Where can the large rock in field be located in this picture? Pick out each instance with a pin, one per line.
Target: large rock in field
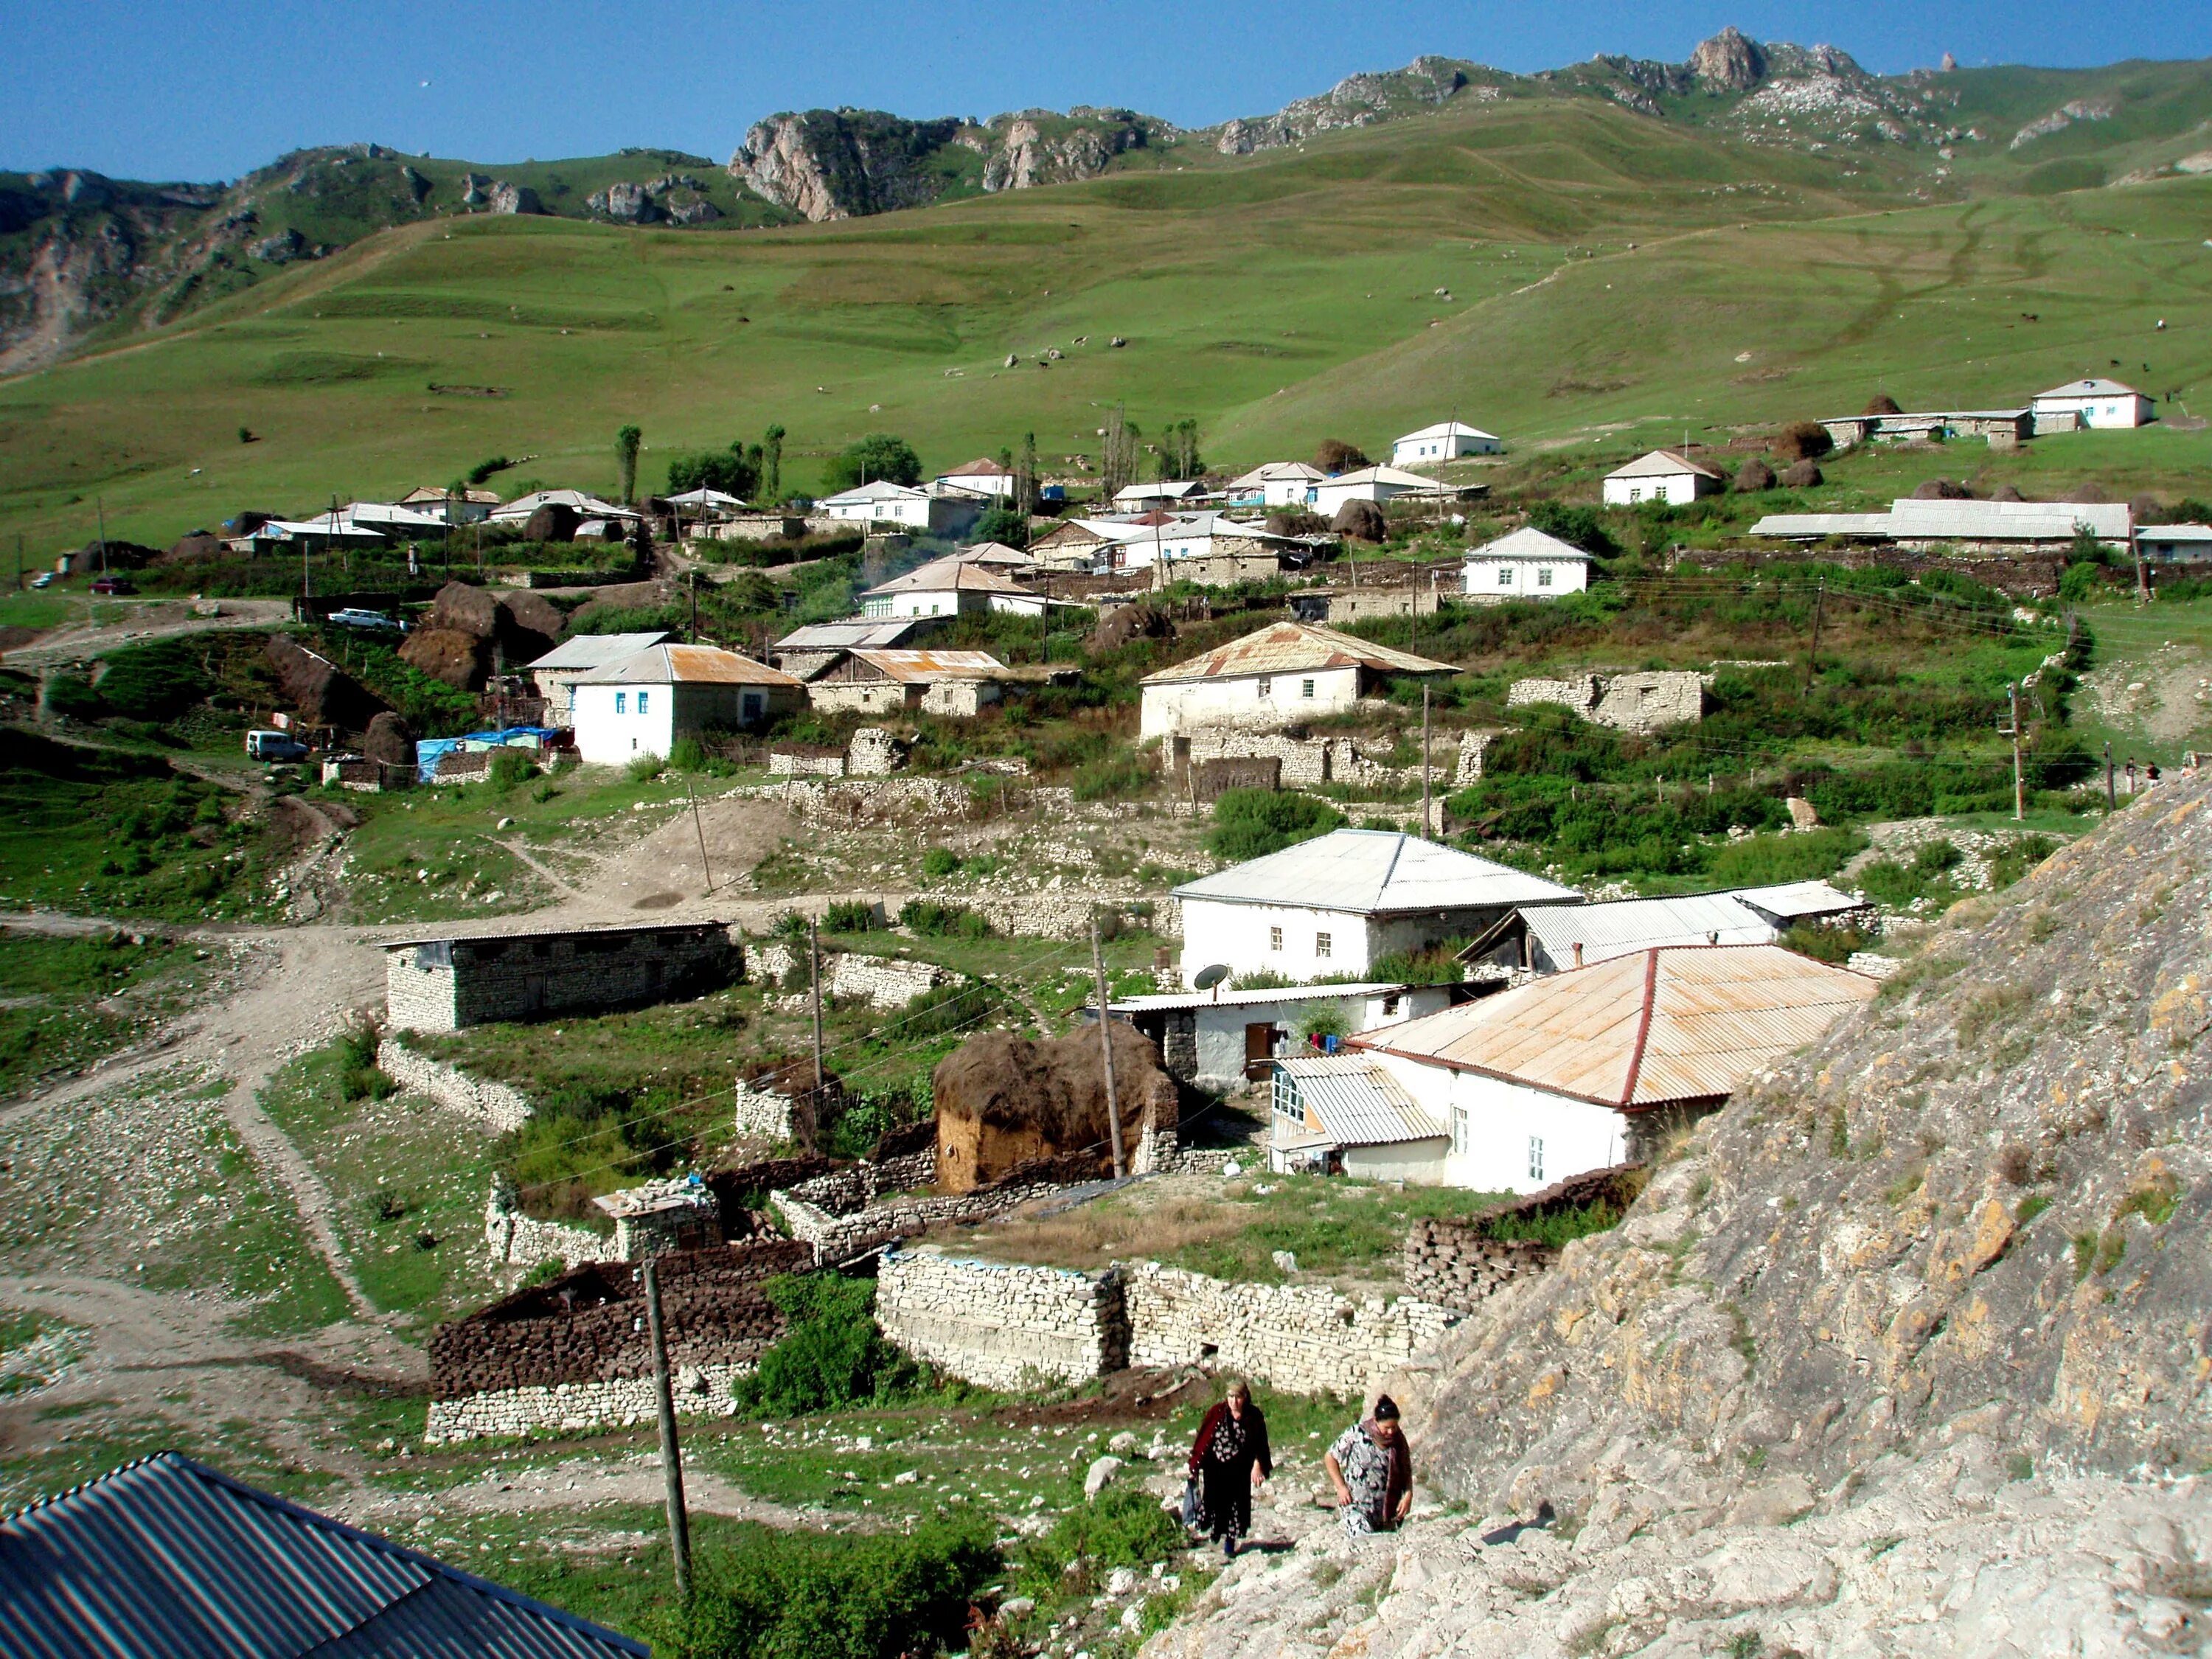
(1003, 1101)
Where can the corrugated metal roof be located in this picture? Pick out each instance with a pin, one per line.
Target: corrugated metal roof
(1993, 521)
(167, 1557)
(597, 650)
(2094, 387)
(1660, 463)
(1449, 430)
(951, 575)
(995, 553)
(1355, 1103)
(878, 633)
(879, 489)
(1614, 929)
(982, 467)
(687, 665)
(1277, 471)
(920, 667)
(1529, 543)
(1681, 1022)
(1375, 872)
(1243, 999)
(1396, 477)
(1792, 899)
(1811, 526)
(1290, 648)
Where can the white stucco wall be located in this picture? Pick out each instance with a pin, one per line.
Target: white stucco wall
(1240, 936)
(2130, 410)
(1220, 1026)
(607, 739)
(1675, 488)
(1416, 1163)
(1186, 706)
(1529, 579)
(1495, 1121)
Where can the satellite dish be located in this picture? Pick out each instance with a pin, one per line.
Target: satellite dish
(1209, 977)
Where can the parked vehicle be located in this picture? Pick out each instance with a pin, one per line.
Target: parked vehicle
(112, 585)
(44, 579)
(273, 747)
(374, 619)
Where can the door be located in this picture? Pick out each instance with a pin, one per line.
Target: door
(1258, 1050)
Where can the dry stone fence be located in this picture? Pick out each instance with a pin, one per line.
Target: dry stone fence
(1456, 1264)
(1003, 1325)
(497, 1106)
(1628, 702)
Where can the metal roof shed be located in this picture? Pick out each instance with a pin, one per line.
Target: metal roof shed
(164, 1558)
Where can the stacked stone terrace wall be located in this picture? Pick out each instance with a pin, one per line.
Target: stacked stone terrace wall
(515, 1240)
(495, 1105)
(840, 1216)
(1303, 760)
(1628, 702)
(1307, 1339)
(806, 762)
(447, 985)
(1000, 1325)
(882, 981)
(1455, 1264)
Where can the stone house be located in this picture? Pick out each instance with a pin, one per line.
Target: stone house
(807, 650)
(1283, 675)
(644, 703)
(936, 511)
(1661, 476)
(556, 673)
(957, 683)
(473, 979)
(1340, 902)
(951, 588)
(1644, 702)
(1592, 1067)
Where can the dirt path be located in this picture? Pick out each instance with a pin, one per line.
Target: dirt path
(577, 1484)
(160, 620)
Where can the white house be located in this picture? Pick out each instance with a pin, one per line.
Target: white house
(1136, 497)
(1526, 564)
(1446, 442)
(2093, 402)
(1375, 483)
(1344, 1115)
(2175, 543)
(981, 476)
(1223, 1039)
(583, 504)
(1341, 903)
(951, 588)
(1592, 1067)
(466, 508)
(1661, 476)
(1283, 675)
(934, 511)
(644, 703)
(1278, 483)
(1169, 539)
(556, 673)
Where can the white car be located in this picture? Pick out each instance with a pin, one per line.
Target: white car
(375, 619)
(44, 579)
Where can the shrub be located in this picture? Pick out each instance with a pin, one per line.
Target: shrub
(1123, 1527)
(1250, 823)
(942, 920)
(1439, 964)
(644, 769)
(1110, 779)
(831, 1355)
(939, 862)
(688, 755)
(798, 1595)
(1580, 526)
(849, 916)
(510, 766)
(1007, 526)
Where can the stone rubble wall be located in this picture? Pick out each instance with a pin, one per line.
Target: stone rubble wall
(495, 1105)
(875, 753)
(618, 1403)
(837, 1237)
(786, 763)
(1643, 701)
(1304, 1338)
(853, 802)
(1068, 914)
(1304, 760)
(882, 981)
(1455, 1266)
(1001, 1325)
(767, 1114)
(515, 1240)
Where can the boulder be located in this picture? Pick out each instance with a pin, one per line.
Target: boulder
(1800, 474)
(323, 693)
(447, 654)
(1362, 520)
(515, 198)
(390, 740)
(553, 522)
(1753, 476)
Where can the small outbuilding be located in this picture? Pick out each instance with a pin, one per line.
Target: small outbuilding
(641, 704)
(872, 682)
(2094, 401)
(556, 673)
(474, 979)
(951, 588)
(1661, 476)
(936, 511)
(2175, 543)
(1224, 1039)
(1345, 1114)
(1528, 564)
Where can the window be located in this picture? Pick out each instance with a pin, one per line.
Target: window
(1505, 575)
(1275, 939)
(1635, 493)
(1543, 575)
(1305, 688)
(752, 706)
(1267, 685)
(641, 702)
(1389, 1007)
(1535, 1157)
(622, 703)
(1321, 942)
(1462, 1131)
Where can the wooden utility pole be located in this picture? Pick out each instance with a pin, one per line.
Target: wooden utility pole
(705, 869)
(2112, 793)
(2143, 573)
(2019, 805)
(100, 507)
(671, 1455)
(1426, 819)
(1812, 656)
(1106, 1049)
(814, 982)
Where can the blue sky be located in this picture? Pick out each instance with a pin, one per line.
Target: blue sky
(207, 90)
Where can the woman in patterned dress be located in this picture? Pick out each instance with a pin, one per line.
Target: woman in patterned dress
(1230, 1459)
(1371, 1467)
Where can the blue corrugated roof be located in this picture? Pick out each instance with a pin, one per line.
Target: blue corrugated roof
(166, 1558)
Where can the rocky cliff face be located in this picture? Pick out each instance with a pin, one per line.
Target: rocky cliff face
(1360, 100)
(1906, 1350)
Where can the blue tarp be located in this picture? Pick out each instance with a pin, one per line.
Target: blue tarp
(429, 751)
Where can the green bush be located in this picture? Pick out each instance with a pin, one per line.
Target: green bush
(1438, 964)
(646, 767)
(798, 1596)
(831, 1355)
(687, 755)
(1111, 779)
(1123, 1527)
(155, 681)
(511, 767)
(942, 920)
(849, 916)
(71, 696)
(939, 862)
(1250, 823)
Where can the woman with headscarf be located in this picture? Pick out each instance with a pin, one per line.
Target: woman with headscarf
(1371, 1467)
(1229, 1460)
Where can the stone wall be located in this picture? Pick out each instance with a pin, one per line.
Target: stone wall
(1307, 1339)
(1454, 1265)
(1001, 1325)
(444, 985)
(874, 752)
(1304, 760)
(858, 696)
(516, 1240)
(772, 1115)
(959, 698)
(882, 981)
(1068, 914)
(794, 762)
(821, 1212)
(1628, 702)
(495, 1105)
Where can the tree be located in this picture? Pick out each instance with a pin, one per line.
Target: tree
(1336, 456)
(1578, 526)
(1179, 456)
(1008, 525)
(771, 477)
(880, 455)
(1025, 477)
(1117, 459)
(725, 470)
(628, 441)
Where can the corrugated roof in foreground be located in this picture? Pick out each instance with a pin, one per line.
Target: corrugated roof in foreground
(1676, 1024)
(1375, 872)
(1799, 898)
(167, 1557)
(1356, 1104)
(1288, 647)
(1255, 998)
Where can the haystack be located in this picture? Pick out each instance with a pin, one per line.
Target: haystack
(447, 654)
(2006, 492)
(1753, 476)
(553, 522)
(1800, 474)
(465, 608)
(389, 739)
(324, 694)
(1124, 622)
(194, 549)
(1003, 1101)
(1362, 519)
(1941, 490)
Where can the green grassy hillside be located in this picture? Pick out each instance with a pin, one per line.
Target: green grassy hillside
(1287, 297)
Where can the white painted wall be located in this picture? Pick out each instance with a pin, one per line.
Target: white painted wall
(1267, 703)
(1406, 450)
(1416, 1163)
(1675, 488)
(1494, 580)
(1244, 937)
(2131, 409)
(1494, 1123)
(1330, 494)
(611, 730)
(1220, 1025)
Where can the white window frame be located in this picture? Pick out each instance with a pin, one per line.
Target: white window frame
(1543, 575)
(1535, 1157)
(1462, 1131)
(1305, 688)
(1324, 945)
(1275, 939)
(1505, 575)
(1267, 685)
(641, 703)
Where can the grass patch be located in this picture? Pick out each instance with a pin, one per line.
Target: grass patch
(70, 1001)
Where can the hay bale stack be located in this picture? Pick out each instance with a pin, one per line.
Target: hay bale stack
(1882, 403)
(1753, 476)
(465, 608)
(1124, 622)
(447, 654)
(389, 739)
(2007, 493)
(196, 549)
(532, 613)
(1800, 474)
(323, 693)
(553, 522)
(1003, 1101)
(1803, 440)
(1363, 520)
(1941, 490)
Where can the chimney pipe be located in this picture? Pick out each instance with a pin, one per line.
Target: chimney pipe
(1713, 938)
(1578, 953)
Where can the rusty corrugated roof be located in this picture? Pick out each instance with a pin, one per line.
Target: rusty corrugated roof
(948, 575)
(1678, 1022)
(920, 667)
(690, 665)
(1290, 648)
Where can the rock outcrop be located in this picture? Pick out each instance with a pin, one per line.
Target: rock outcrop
(1359, 101)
